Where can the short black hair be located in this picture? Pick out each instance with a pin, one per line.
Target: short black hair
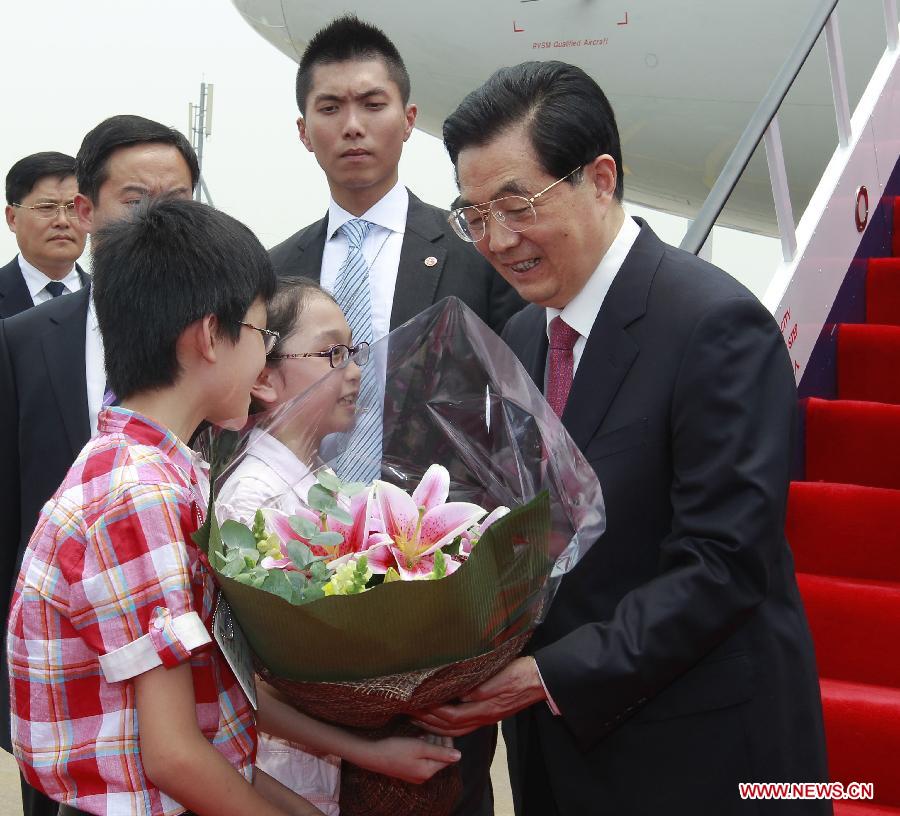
(123, 131)
(569, 119)
(349, 38)
(171, 263)
(285, 308)
(27, 172)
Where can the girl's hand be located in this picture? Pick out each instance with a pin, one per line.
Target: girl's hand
(411, 759)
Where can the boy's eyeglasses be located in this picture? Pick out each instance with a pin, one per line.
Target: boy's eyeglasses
(338, 356)
(270, 338)
(48, 210)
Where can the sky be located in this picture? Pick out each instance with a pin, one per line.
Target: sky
(69, 65)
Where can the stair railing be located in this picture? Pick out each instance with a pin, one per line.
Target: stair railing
(763, 126)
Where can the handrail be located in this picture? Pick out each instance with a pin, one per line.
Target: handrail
(702, 225)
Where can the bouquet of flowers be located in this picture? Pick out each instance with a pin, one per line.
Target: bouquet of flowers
(365, 600)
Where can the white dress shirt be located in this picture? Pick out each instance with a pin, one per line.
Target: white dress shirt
(582, 310)
(37, 281)
(94, 366)
(381, 250)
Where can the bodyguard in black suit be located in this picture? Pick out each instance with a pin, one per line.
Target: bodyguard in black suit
(353, 93)
(676, 660)
(51, 366)
(40, 211)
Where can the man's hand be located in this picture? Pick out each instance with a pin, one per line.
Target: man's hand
(514, 688)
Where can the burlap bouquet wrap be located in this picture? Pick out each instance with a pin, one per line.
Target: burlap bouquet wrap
(454, 395)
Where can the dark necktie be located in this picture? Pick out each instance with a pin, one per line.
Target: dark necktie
(56, 288)
(561, 364)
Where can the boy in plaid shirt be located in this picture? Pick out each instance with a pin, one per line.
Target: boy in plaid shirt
(121, 704)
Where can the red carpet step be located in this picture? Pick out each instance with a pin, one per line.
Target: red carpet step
(853, 443)
(863, 809)
(868, 363)
(863, 726)
(845, 530)
(883, 290)
(856, 629)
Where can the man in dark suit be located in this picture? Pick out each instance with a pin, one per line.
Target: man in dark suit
(675, 660)
(52, 373)
(40, 210)
(353, 93)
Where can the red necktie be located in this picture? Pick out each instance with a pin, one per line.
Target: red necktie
(561, 364)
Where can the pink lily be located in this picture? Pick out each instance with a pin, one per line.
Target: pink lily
(414, 527)
(356, 535)
(279, 563)
(470, 537)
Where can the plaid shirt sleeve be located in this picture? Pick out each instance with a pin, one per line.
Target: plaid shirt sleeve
(130, 585)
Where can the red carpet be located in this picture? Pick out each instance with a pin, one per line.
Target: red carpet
(844, 528)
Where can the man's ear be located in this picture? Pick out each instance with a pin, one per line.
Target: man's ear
(11, 217)
(411, 112)
(205, 337)
(265, 389)
(84, 209)
(304, 136)
(601, 172)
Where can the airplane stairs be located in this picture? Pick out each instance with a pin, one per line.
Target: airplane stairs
(844, 528)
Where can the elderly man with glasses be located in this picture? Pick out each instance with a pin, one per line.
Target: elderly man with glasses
(40, 210)
(676, 660)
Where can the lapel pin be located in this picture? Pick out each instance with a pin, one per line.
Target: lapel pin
(431, 261)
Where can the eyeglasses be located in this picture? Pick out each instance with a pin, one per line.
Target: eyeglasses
(48, 210)
(338, 356)
(270, 338)
(515, 213)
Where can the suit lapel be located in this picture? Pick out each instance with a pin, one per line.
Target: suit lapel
(422, 258)
(311, 246)
(64, 353)
(83, 276)
(610, 350)
(14, 294)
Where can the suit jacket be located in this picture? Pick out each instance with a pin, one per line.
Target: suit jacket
(44, 423)
(677, 651)
(459, 270)
(14, 294)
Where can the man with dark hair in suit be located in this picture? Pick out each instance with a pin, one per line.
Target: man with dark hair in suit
(384, 254)
(40, 210)
(676, 660)
(353, 94)
(51, 357)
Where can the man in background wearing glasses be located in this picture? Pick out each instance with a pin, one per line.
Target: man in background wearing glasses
(52, 372)
(675, 660)
(40, 210)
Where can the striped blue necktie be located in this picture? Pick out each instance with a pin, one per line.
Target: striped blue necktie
(362, 459)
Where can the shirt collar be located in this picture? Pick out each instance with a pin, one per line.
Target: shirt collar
(581, 312)
(144, 431)
(36, 280)
(277, 456)
(388, 212)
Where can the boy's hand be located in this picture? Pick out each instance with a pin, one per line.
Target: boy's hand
(411, 759)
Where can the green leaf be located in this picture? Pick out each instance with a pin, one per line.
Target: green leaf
(312, 593)
(217, 560)
(329, 480)
(327, 540)
(237, 535)
(250, 555)
(340, 514)
(234, 564)
(321, 499)
(319, 572)
(279, 584)
(299, 553)
(391, 575)
(440, 565)
(303, 527)
(350, 489)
